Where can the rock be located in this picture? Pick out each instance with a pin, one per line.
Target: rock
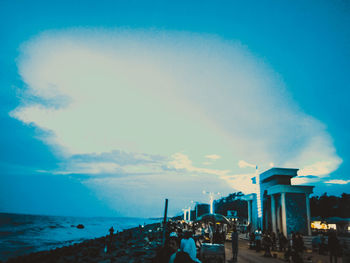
(80, 226)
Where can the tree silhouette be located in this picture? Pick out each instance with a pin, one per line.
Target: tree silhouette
(330, 206)
(232, 202)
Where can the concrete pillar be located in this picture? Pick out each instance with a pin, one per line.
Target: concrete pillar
(273, 213)
(284, 214)
(308, 215)
(249, 212)
(279, 225)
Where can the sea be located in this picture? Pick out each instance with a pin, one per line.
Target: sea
(23, 234)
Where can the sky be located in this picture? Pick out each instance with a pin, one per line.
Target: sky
(109, 107)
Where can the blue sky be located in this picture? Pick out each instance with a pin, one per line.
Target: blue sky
(109, 107)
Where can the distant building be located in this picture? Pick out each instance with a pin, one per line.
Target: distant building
(202, 209)
(279, 205)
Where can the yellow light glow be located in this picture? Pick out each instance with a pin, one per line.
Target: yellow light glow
(320, 225)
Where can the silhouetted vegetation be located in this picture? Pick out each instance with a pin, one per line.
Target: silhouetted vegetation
(323, 206)
(232, 202)
(329, 206)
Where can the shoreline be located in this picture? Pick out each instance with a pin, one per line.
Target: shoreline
(137, 244)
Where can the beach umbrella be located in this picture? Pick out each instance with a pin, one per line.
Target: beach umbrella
(215, 218)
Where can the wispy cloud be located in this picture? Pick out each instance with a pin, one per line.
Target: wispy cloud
(213, 156)
(337, 181)
(181, 161)
(244, 164)
(111, 163)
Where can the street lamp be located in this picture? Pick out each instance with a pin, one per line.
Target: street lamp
(187, 210)
(211, 202)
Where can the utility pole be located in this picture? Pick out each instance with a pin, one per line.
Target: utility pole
(165, 219)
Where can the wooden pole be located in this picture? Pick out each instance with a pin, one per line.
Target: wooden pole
(165, 219)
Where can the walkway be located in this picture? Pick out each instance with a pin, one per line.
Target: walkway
(246, 255)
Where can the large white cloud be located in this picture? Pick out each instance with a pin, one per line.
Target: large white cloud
(181, 96)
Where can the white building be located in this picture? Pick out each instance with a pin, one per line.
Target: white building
(283, 206)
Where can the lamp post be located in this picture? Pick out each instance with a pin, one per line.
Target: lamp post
(189, 213)
(211, 200)
(187, 210)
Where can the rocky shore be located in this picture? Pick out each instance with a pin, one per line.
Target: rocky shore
(138, 244)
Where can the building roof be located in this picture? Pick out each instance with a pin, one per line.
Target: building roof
(276, 189)
(278, 172)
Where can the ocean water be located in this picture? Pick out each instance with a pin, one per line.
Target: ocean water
(22, 234)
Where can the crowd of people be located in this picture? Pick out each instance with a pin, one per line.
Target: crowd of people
(269, 241)
(184, 240)
(292, 247)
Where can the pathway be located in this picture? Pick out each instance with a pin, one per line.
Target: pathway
(246, 255)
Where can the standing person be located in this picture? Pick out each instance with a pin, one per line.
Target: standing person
(189, 246)
(234, 244)
(211, 232)
(333, 246)
(173, 247)
(258, 240)
(282, 242)
(217, 236)
(203, 230)
(249, 227)
(266, 240)
(298, 248)
(251, 240)
(110, 240)
(169, 250)
(273, 239)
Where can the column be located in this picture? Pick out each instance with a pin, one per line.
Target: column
(284, 215)
(273, 213)
(308, 217)
(249, 212)
(279, 226)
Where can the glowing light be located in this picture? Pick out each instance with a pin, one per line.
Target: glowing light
(321, 225)
(211, 201)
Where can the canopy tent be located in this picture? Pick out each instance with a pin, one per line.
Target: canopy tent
(213, 218)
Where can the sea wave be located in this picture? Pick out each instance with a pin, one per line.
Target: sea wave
(23, 234)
